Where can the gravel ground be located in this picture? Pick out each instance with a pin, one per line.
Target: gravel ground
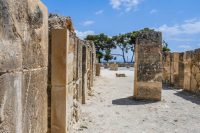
(111, 109)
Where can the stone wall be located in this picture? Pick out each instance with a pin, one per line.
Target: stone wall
(72, 74)
(184, 70)
(148, 66)
(23, 66)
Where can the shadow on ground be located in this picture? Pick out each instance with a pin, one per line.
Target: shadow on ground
(189, 96)
(131, 101)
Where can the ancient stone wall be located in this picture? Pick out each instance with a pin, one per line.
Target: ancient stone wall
(72, 63)
(166, 67)
(23, 66)
(148, 66)
(184, 70)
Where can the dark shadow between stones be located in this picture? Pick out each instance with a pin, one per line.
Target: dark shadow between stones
(131, 101)
(189, 96)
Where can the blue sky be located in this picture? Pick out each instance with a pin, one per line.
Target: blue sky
(179, 20)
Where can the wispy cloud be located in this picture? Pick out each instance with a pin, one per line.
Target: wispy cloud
(153, 11)
(127, 4)
(185, 47)
(88, 22)
(188, 27)
(99, 12)
(83, 34)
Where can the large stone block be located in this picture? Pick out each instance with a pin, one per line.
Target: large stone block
(166, 67)
(181, 71)
(113, 66)
(59, 109)
(195, 71)
(98, 69)
(58, 57)
(23, 63)
(34, 101)
(59, 80)
(10, 55)
(11, 103)
(187, 70)
(148, 66)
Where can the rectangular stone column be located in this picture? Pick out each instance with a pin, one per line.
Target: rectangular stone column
(98, 69)
(175, 69)
(195, 72)
(59, 50)
(148, 66)
(166, 67)
(180, 71)
(187, 70)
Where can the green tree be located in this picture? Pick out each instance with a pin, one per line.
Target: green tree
(165, 47)
(102, 43)
(108, 55)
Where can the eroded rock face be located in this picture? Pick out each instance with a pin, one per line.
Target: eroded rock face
(23, 66)
(148, 66)
(184, 70)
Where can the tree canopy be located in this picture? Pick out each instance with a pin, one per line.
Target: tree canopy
(125, 42)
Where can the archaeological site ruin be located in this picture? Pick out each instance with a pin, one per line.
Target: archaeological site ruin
(47, 73)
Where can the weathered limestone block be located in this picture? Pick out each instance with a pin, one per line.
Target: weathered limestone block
(195, 72)
(180, 83)
(59, 81)
(23, 66)
(88, 58)
(34, 100)
(148, 66)
(80, 65)
(98, 69)
(187, 70)
(120, 75)
(11, 103)
(166, 67)
(92, 62)
(174, 68)
(113, 67)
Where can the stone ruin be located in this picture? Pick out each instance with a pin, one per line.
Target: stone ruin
(23, 66)
(148, 66)
(182, 70)
(46, 72)
(113, 66)
(72, 73)
(98, 69)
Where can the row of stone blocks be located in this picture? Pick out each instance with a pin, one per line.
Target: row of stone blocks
(29, 63)
(182, 70)
(72, 75)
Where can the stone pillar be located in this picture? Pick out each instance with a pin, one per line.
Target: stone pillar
(180, 83)
(166, 67)
(148, 66)
(98, 69)
(59, 50)
(23, 66)
(175, 69)
(187, 70)
(195, 72)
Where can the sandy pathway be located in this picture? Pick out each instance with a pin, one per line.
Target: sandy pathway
(111, 110)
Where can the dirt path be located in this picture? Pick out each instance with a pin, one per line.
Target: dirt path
(111, 110)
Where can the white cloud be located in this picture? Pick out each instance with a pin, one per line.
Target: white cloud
(83, 34)
(188, 27)
(153, 11)
(127, 4)
(99, 12)
(185, 47)
(88, 22)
